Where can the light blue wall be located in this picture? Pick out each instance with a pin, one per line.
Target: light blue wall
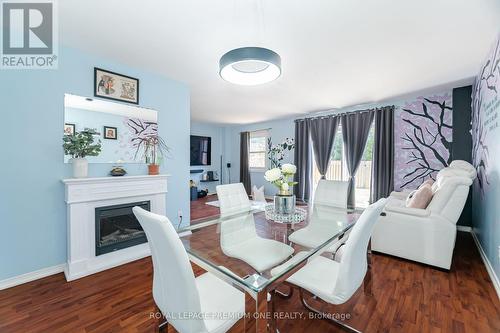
(32, 208)
(279, 130)
(486, 135)
(217, 134)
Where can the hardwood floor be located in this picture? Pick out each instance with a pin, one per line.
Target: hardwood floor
(405, 297)
(199, 208)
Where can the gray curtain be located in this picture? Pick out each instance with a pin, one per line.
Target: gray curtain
(355, 129)
(244, 167)
(323, 132)
(302, 159)
(383, 154)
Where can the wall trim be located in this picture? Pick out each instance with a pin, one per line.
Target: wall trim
(31, 276)
(487, 263)
(464, 228)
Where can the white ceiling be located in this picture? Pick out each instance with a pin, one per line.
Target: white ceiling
(335, 53)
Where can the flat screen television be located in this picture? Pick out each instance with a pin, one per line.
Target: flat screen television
(201, 150)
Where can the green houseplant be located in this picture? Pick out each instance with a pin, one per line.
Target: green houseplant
(152, 148)
(80, 145)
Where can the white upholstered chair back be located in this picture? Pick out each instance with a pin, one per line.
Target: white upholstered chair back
(331, 193)
(236, 229)
(174, 286)
(353, 264)
(464, 166)
(233, 199)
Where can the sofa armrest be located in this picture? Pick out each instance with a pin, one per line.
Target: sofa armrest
(400, 195)
(408, 211)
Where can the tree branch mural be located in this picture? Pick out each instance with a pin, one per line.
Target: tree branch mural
(485, 105)
(423, 131)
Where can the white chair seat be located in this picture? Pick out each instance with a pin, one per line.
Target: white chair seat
(319, 277)
(314, 236)
(217, 296)
(259, 253)
(292, 261)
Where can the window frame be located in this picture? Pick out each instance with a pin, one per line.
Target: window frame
(257, 134)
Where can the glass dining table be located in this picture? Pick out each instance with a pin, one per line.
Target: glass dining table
(256, 255)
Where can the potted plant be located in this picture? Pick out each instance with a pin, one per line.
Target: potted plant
(152, 148)
(80, 145)
(282, 178)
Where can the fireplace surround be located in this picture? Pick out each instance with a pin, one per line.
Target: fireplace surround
(83, 196)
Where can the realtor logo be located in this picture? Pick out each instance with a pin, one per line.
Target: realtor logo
(29, 35)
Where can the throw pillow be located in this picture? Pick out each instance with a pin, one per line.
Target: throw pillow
(421, 198)
(258, 194)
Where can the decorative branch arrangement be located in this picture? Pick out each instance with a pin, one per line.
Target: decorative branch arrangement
(151, 148)
(427, 138)
(81, 144)
(141, 130)
(276, 153)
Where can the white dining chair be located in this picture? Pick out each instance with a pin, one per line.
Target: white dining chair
(335, 282)
(329, 207)
(177, 292)
(331, 193)
(233, 199)
(238, 235)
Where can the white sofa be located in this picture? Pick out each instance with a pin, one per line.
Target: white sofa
(426, 235)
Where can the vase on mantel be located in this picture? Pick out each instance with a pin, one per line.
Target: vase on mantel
(153, 169)
(80, 167)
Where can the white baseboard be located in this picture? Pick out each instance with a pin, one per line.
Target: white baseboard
(487, 263)
(464, 228)
(31, 276)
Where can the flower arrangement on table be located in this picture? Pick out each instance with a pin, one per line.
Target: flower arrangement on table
(282, 178)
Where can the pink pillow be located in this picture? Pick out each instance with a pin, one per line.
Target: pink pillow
(429, 181)
(421, 197)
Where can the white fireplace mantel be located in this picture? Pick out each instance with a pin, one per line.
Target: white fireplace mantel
(83, 195)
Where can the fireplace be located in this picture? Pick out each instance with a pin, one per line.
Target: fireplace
(117, 228)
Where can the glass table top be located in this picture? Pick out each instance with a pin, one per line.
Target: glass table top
(254, 251)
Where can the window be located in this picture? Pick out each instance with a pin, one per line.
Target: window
(257, 155)
(337, 169)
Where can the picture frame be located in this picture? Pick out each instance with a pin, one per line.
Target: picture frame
(110, 133)
(69, 129)
(115, 86)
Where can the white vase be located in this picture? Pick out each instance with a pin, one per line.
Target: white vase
(80, 167)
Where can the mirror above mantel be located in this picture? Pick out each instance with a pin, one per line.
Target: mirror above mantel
(118, 126)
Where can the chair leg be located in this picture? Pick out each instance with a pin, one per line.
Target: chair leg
(162, 322)
(368, 283)
(326, 316)
(163, 327)
(273, 322)
(283, 295)
(369, 254)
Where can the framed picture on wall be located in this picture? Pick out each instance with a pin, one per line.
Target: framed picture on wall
(69, 129)
(110, 133)
(115, 86)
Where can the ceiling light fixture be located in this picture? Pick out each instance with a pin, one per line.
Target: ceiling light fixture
(250, 66)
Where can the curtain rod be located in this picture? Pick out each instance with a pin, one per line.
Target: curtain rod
(258, 130)
(343, 113)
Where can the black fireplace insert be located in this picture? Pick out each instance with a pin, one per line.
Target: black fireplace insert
(116, 227)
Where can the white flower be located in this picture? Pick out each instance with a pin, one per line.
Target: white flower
(285, 187)
(289, 169)
(272, 175)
